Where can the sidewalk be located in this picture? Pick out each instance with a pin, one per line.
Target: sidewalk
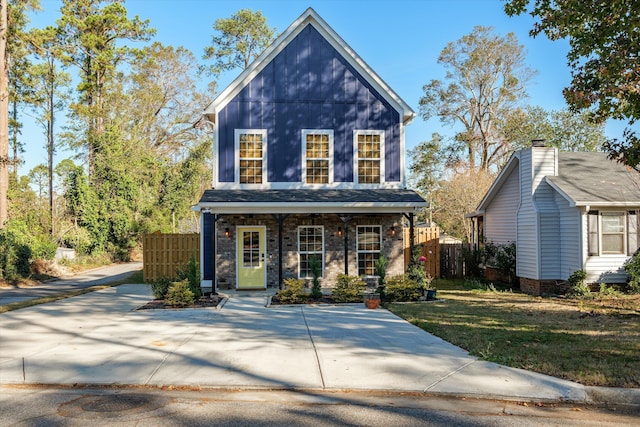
(98, 338)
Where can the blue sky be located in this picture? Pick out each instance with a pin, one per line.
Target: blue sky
(399, 39)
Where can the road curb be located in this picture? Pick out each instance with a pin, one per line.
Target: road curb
(613, 396)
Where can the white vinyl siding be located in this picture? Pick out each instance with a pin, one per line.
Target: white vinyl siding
(549, 236)
(570, 245)
(500, 214)
(527, 242)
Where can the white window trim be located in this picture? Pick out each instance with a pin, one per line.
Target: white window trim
(321, 227)
(306, 132)
(355, 155)
(358, 251)
(625, 214)
(236, 137)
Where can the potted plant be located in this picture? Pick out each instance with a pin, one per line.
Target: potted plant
(372, 300)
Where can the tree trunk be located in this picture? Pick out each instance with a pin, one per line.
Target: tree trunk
(4, 115)
(50, 143)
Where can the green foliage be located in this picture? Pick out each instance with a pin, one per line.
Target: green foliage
(415, 269)
(608, 291)
(403, 288)
(348, 289)
(179, 294)
(315, 265)
(632, 267)
(578, 286)
(472, 259)
(191, 273)
(502, 257)
(238, 40)
(160, 287)
(14, 256)
(293, 293)
(381, 269)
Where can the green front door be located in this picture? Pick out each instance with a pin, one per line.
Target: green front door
(251, 258)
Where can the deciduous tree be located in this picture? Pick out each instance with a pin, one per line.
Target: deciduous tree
(604, 53)
(486, 80)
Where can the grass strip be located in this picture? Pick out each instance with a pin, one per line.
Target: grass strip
(135, 277)
(593, 342)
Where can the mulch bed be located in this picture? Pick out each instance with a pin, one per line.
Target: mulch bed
(204, 302)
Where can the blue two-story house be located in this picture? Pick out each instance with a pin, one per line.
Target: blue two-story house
(308, 162)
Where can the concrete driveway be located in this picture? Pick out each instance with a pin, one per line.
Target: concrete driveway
(99, 338)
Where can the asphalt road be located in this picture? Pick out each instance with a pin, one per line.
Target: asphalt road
(33, 406)
(95, 277)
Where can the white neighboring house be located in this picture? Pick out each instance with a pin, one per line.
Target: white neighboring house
(565, 212)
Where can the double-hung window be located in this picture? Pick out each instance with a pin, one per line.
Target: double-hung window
(612, 232)
(251, 149)
(369, 158)
(317, 155)
(369, 244)
(310, 245)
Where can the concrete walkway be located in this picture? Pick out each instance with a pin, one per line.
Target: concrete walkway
(86, 279)
(99, 338)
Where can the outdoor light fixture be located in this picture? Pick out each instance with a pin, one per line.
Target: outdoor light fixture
(392, 230)
(339, 231)
(227, 232)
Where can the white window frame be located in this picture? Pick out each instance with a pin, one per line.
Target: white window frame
(356, 133)
(321, 227)
(306, 132)
(626, 237)
(263, 133)
(364, 251)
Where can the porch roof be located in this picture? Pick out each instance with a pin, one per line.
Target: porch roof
(310, 201)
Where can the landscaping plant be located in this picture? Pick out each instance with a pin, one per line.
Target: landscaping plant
(403, 288)
(191, 273)
(632, 267)
(160, 287)
(179, 294)
(315, 265)
(578, 284)
(293, 292)
(348, 289)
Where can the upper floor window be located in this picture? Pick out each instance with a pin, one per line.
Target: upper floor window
(369, 158)
(251, 149)
(317, 153)
(613, 232)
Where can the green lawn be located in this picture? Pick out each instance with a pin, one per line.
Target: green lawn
(593, 342)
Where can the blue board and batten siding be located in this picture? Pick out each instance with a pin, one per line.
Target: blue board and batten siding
(308, 85)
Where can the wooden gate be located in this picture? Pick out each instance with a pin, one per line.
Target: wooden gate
(428, 240)
(164, 254)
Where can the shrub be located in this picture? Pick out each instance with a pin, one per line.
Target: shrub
(160, 287)
(191, 273)
(472, 260)
(381, 269)
(315, 265)
(14, 256)
(502, 257)
(632, 267)
(403, 288)
(577, 284)
(348, 289)
(293, 293)
(179, 294)
(607, 291)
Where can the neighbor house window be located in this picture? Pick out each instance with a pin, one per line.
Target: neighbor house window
(251, 149)
(612, 232)
(317, 153)
(369, 159)
(310, 245)
(369, 244)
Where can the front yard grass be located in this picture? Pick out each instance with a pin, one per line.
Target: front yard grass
(590, 341)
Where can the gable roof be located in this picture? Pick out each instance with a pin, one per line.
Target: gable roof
(501, 179)
(310, 17)
(591, 179)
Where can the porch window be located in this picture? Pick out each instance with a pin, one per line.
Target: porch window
(317, 153)
(612, 232)
(251, 149)
(310, 245)
(369, 244)
(369, 162)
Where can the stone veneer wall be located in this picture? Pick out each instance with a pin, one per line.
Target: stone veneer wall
(392, 245)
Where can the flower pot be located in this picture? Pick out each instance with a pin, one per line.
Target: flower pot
(372, 303)
(431, 294)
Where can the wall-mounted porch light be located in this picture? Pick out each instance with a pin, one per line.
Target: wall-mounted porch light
(227, 232)
(339, 231)
(392, 231)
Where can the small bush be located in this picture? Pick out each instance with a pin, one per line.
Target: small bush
(315, 265)
(608, 291)
(14, 257)
(577, 284)
(348, 289)
(160, 287)
(179, 294)
(632, 267)
(191, 273)
(403, 288)
(293, 293)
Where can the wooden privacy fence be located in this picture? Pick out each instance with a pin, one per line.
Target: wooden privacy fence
(164, 254)
(452, 263)
(428, 240)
